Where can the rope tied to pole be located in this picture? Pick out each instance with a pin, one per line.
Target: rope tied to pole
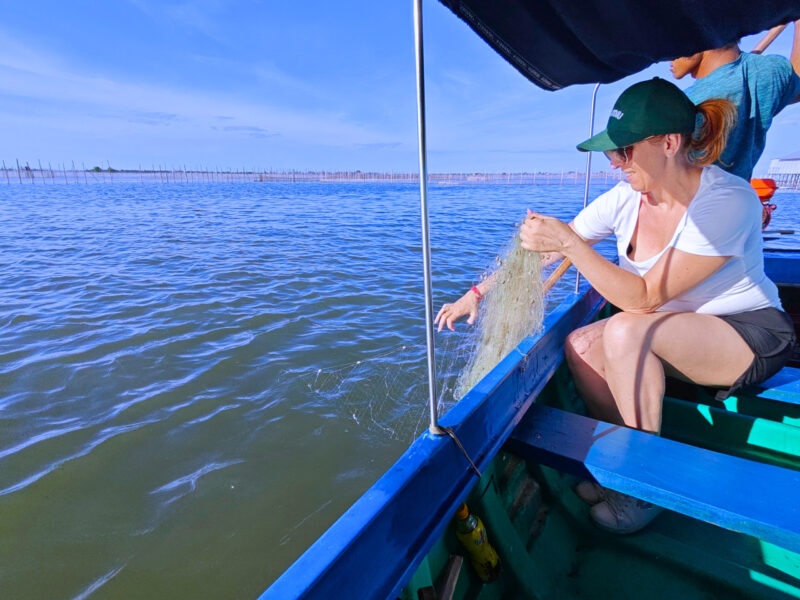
(449, 431)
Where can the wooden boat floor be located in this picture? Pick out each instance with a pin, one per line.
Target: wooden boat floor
(551, 550)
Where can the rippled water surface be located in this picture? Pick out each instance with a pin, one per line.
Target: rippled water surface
(196, 380)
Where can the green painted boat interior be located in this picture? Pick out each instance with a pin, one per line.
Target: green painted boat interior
(550, 549)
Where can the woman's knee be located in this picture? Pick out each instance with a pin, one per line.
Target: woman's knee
(625, 331)
(583, 346)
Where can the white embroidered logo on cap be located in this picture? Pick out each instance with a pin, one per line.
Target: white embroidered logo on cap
(617, 114)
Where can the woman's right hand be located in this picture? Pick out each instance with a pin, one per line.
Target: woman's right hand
(450, 313)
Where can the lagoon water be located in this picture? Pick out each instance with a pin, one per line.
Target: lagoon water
(196, 380)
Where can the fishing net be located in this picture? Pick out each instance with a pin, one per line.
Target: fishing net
(378, 393)
(510, 311)
(381, 391)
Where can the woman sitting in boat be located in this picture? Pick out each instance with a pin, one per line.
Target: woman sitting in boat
(695, 301)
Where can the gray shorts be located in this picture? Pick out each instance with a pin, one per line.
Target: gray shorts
(770, 334)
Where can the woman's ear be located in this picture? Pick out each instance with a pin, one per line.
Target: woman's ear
(672, 144)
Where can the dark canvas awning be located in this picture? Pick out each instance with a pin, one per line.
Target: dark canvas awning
(558, 43)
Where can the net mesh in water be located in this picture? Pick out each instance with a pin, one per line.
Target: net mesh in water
(382, 393)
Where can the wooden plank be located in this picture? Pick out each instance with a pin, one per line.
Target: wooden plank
(737, 494)
(777, 399)
(450, 577)
(782, 265)
(784, 386)
(729, 432)
(426, 593)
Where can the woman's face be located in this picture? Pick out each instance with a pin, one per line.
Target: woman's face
(642, 163)
(633, 161)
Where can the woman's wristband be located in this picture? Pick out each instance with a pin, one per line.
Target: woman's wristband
(475, 289)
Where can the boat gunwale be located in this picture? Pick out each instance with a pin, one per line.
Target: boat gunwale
(373, 549)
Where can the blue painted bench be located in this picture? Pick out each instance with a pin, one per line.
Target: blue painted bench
(777, 398)
(741, 495)
(784, 386)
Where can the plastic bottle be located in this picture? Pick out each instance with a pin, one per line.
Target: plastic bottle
(472, 534)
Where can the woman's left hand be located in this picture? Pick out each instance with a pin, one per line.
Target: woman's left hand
(545, 234)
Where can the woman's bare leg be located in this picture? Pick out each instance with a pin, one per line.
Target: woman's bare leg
(638, 348)
(586, 360)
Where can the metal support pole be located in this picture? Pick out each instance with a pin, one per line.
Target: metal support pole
(588, 174)
(423, 192)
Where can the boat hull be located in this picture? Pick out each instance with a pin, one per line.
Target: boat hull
(397, 539)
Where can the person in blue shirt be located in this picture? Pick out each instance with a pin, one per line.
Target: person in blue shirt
(759, 85)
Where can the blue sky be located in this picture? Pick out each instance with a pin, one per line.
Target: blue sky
(282, 85)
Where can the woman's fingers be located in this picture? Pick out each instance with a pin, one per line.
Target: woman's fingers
(441, 318)
(529, 214)
(447, 316)
(441, 311)
(540, 233)
(445, 320)
(450, 313)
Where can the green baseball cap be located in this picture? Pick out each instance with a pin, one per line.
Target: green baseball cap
(647, 108)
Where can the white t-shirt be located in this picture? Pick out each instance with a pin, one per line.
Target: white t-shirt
(723, 219)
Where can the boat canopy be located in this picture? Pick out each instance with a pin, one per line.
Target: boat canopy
(556, 43)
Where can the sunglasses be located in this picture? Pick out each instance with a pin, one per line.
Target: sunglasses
(625, 153)
(622, 155)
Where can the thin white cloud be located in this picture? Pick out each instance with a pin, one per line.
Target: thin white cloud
(58, 90)
(265, 72)
(198, 15)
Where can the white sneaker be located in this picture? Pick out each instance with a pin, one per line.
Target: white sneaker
(620, 513)
(590, 492)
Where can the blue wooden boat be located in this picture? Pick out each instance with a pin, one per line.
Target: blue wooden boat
(729, 473)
